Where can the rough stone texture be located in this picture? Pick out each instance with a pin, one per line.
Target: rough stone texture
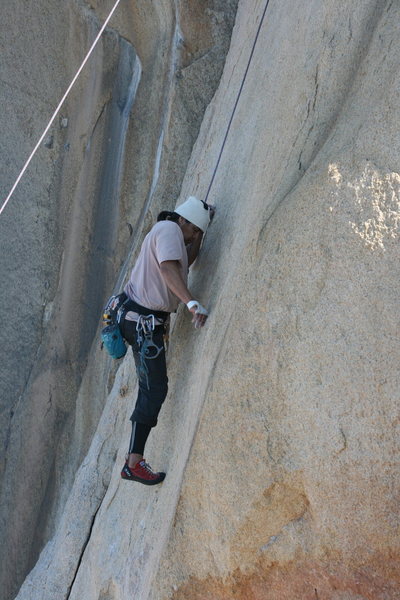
(67, 234)
(291, 489)
(280, 432)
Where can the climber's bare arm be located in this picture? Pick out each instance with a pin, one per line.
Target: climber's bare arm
(170, 270)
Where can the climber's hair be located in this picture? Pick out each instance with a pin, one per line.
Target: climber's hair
(167, 215)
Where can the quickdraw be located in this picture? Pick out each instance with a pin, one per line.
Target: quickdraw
(148, 350)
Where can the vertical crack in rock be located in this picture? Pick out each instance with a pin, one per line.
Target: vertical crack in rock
(107, 212)
(64, 345)
(101, 113)
(176, 41)
(85, 544)
(316, 88)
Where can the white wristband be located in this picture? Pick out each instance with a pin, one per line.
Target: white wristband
(200, 310)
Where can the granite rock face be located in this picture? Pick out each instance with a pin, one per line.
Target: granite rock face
(111, 158)
(279, 435)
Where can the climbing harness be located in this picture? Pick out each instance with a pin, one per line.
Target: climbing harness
(113, 310)
(148, 350)
(237, 102)
(113, 317)
(144, 328)
(59, 106)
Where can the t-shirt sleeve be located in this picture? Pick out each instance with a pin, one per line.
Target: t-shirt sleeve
(168, 243)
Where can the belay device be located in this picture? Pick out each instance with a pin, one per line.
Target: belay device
(111, 334)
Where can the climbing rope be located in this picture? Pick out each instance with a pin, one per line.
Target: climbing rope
(77, 75)
(237, 101)
(59, 107)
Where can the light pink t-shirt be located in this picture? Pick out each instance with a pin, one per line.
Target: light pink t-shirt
(146, 285)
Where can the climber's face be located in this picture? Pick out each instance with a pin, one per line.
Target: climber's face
(190, 231)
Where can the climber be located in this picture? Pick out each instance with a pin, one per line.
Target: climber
(157, 283)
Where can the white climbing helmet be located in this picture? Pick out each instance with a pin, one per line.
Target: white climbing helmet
(195, 211)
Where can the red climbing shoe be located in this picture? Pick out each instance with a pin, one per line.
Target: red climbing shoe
(143, 473)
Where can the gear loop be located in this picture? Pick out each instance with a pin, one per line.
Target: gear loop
(144, 328)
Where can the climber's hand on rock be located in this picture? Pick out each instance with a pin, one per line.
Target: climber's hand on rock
(199, 320)
(199, 313)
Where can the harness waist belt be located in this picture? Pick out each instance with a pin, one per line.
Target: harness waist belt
(131, 305)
